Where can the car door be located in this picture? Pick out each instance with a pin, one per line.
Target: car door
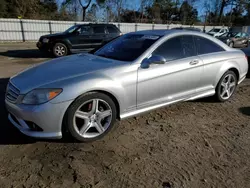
(112, 32)
(176, 79)
(212, 56)
(238, 39)
(99, 35)
(81, 39)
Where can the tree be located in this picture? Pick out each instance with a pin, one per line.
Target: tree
(188, 15)
(91, 14)
(3, 8)
(84, 6)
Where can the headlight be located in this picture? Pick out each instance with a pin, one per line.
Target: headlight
(39, 96)
(45, 40)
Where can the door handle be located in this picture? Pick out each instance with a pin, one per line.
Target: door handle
(194, 62)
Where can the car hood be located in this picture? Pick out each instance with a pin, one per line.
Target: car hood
(61, 69)
(53, 35)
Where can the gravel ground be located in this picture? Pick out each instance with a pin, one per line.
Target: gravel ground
(190, 145)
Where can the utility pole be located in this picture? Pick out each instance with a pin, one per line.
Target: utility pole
(204, 27)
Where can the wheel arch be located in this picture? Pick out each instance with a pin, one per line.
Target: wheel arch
(232, 66)
(65, 42)
(115, 100)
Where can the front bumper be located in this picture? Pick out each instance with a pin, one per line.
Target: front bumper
(48, 117)
(43, 46)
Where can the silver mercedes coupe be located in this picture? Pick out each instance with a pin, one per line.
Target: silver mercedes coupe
(83, 95)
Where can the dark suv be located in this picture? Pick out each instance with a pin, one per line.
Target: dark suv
(78, 37)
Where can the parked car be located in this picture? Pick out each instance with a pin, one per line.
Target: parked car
(78, 37)
(188, 28)
(216, 32)
(235, 39)
(84, 94)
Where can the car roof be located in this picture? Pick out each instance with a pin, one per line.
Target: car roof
(163, 32)
(96, 24)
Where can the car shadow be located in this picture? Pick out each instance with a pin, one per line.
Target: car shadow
(205, 100)
(9, 135)
(27, 53)
(245, 111)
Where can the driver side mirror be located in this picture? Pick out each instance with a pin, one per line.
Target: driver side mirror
(154, 59)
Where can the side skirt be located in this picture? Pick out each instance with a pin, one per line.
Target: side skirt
(150, 108)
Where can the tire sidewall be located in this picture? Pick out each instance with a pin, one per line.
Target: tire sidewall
(60, 44)
(219, 84)
(231, 44)
(77, 103)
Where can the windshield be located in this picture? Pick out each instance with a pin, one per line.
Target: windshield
(229, 34)
(72, 29)
(215, 30)
(127, 48)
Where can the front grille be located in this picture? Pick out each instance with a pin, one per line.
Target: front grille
(12, 93)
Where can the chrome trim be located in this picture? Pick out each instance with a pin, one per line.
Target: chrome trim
(12, 93)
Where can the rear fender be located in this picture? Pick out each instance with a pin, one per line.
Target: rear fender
(224, 68)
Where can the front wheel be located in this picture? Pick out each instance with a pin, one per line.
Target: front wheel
(60, 50)
(91, 117)
(231, 44)
(226, 86)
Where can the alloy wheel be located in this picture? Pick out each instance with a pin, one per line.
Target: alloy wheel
(92, 118)
(60, 50)
(227, 86)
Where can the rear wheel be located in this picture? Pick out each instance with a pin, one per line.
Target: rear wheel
(60, 50)
(91, 117)
(226, 86)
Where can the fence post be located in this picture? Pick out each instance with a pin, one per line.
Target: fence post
(135, 26)
(22, 30)
(119, 26)
(50, 29)
(153, 26)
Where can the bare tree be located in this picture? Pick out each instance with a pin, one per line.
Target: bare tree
(84, 6)
(143, 5)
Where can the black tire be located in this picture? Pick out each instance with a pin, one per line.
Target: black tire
(218, 88)
(231, 44)
(69, 120)
(56, 50)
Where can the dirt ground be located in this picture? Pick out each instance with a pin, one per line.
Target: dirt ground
(189, 145)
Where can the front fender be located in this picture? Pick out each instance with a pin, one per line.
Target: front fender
(75, 87)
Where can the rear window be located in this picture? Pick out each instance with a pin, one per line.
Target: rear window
(112, 29)
(205, 46)
(127, 48)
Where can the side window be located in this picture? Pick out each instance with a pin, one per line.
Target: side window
(206, 46)
(170, 50)
(188, 46)
(177, 48)
(111, 29)
(84, 30)
(99, 29)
